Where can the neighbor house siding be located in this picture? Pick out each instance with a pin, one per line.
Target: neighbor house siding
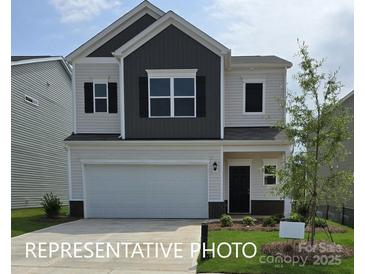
(258, 191)
(95, 122)
(273, 97)
(172, 49)
(38, 156)
(143, 153)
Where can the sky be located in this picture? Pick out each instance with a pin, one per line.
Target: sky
(247, 27)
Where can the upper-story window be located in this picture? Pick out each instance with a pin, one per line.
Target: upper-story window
(172, 93)
(100, 96)
(253, 97)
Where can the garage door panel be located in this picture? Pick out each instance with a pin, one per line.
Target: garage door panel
(148, 191)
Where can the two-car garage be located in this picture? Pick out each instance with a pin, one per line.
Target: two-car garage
(145, 190)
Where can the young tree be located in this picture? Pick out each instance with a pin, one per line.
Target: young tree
(317, 126)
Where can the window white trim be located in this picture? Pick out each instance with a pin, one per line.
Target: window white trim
(269, 162)
(105, 82)
(30, 100)
(171, 74)
(168, 73)
(253, 81)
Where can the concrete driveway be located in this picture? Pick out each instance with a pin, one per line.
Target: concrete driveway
(110, 231)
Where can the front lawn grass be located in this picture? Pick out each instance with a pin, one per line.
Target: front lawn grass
(31, 219)
(243, 265)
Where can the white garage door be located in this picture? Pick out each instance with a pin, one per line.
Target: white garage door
(146, 191)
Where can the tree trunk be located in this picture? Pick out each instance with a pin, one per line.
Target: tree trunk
(313, 221)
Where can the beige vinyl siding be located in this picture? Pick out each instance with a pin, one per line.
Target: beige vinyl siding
(38, 156)
(95, 122)
(143, 153)
(274, 93)
(258, 191)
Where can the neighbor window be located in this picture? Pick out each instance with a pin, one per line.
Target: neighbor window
(270, 174)
(172, 93)
(31, 100)
(100, 97)
(253, 97)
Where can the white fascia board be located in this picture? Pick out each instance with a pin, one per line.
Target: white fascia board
(261, 65)
(144, 143)
(46, 59)
(231, 144)
(122, 23)
(143, 162)
(170, 18)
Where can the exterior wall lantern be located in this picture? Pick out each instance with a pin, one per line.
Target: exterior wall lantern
(215, 166)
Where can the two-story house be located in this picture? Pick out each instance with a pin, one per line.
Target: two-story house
(168, 124)
(41, 118)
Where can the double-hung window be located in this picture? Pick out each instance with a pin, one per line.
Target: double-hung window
(101, 96)
(253, 96)
(172, 93)
(269, 172)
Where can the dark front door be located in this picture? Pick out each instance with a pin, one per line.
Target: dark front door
(239, 189)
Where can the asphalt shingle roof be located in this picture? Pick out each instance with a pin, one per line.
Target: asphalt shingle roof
(258, 59)
(21, 58)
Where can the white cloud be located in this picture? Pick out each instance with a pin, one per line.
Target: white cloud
(73, 11)
(254, 27)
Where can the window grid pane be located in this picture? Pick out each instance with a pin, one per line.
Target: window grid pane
(160, 87)
(100, 105)
(160, 107)
(184, 87)
(184, 106)
(100, 90)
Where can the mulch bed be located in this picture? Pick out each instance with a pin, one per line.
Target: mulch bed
(238, 226)
(303, 251)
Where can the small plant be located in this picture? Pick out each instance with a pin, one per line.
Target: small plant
(226, 220)
(278, 217)
(51, 205)
(295, 217)
(249, 220)
(269, 221)
(320, 222)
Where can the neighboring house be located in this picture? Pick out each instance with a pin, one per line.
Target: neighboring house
(348, 163)
(167, 124)
(41, 117)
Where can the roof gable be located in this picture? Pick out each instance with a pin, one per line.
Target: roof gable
(170, 18)
(23, 60)
(122, 37)
(114, 29)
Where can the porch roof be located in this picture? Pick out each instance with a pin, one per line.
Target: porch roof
(254, 133)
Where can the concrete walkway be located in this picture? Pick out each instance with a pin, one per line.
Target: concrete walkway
(113, 232)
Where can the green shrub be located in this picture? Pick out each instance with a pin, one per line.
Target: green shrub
(278, 217)
(302, 209)
(269, 221)
(295, 217)
(51, 205)
(320, 222)
(226, 220)
(248, 220)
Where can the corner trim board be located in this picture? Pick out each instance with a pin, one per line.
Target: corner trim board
(121, 98)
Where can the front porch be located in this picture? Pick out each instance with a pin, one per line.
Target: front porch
(249, 182)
